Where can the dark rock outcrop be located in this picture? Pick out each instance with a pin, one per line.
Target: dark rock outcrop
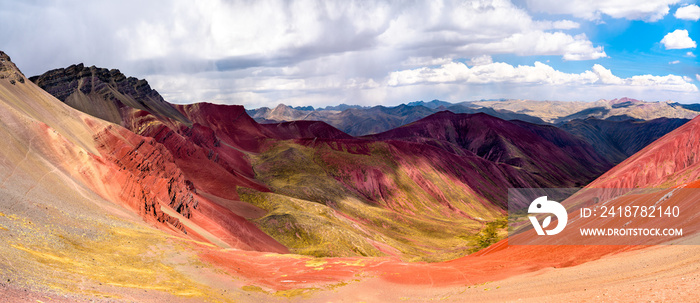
(106, 94)
(8, 70)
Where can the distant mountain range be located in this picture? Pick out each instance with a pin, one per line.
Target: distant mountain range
(615, 128)
(562, 111)
(359, 121)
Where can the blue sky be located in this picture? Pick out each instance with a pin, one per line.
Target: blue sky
(262, 53)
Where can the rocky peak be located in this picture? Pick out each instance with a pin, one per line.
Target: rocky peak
(285, 113)
(104, 92)
(282, 108)
(8, 70)
(92, 79)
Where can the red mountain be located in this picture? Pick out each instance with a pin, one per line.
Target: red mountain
(457, 171)
(672, 160)
(157, 171)
(618, 140)
(545, 154)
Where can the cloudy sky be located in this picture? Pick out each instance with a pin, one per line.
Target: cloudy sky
(262, 53)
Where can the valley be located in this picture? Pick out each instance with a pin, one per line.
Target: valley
(111, 192)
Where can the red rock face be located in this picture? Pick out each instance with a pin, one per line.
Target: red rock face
(148, 179)
(230, 123)
(670, 161)
(214, 167)
(192, 167)
(151, 178)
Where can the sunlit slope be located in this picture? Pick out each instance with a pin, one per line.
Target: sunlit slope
(670, 161)
(351, 197)
(60, 237)
(24, 99)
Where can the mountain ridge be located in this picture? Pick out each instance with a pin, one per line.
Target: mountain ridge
(528, 146)
(360, 121)
(113, 91)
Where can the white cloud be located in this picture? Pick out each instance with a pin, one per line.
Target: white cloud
(453, 81)
(678, 39)
(451, 29)
(166, 36)
(250, 32)
(559, 24)
(605, 76)
(688, 12)
(565, 24)
(669, 82)
(571, 48)
(648, 10)
(697, 77)
(424, 61)
(481, 60)
(675, 62)
(690, 54)
(537, 74)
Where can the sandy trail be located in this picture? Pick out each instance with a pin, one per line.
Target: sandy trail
(655, 274)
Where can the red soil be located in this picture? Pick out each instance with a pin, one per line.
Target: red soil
(500, 262)
(233, 229)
